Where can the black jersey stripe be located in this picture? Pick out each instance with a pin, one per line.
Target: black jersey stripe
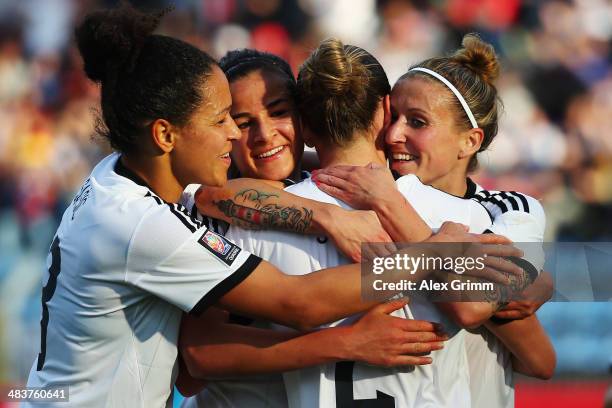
(214, 224)
(223, 227)
(471, 188)
(183, 218)
(503, 199)
(496, 200)
(206, 221)
(180, 208)
(483, 204)
(227, 284)
(191, 219)
(511, 200)
(192, 216)
(182, 213)
(156, 198)
(481, 197)
(302, 176)
(499, 202)
(523, 200)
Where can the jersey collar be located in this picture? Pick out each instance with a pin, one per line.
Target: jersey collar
(471, 188)
(121, 170)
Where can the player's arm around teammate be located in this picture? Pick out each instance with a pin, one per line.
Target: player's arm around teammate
(228, 349)
(255, 204)
(288, 299)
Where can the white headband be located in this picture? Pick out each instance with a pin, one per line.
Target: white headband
(450, 86)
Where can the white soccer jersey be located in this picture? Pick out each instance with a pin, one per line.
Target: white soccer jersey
(520, 218)
(343, 384)
(123, 267)
(436, 206)
(257, 391)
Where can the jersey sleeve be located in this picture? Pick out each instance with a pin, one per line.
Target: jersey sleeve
(173, 256)
(521, 219)
(436, 206)
(519, 216)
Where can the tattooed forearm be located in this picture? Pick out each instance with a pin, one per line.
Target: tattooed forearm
(253, 195)
(518, 283)
(501, 295)
(498, 296)
(264, 216)
(288, 218)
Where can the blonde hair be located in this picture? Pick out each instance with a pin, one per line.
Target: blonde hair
(472, 69)
(338, 90)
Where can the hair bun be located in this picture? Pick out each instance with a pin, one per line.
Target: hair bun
(336, 69)
(479, 57)
(111, 40)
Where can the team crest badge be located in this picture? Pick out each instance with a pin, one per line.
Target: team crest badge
(216, 243)
(219, 246)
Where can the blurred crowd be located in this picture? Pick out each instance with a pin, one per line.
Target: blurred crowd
(554, 143)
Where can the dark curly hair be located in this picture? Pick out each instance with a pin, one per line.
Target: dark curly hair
(143, 77)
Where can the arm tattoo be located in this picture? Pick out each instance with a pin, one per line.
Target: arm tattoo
(501, 295)
(251, 209)
(256, 196)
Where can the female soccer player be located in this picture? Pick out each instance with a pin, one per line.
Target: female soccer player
(444, 113)
(127, 259)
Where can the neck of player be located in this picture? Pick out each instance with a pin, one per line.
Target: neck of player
(453, 182)
(156, 171)
(359, 153)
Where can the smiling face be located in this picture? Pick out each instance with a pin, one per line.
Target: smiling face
(201, 152)
(264, 111)
(423, 138)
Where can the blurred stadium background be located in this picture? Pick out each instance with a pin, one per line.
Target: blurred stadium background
(555, 140)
